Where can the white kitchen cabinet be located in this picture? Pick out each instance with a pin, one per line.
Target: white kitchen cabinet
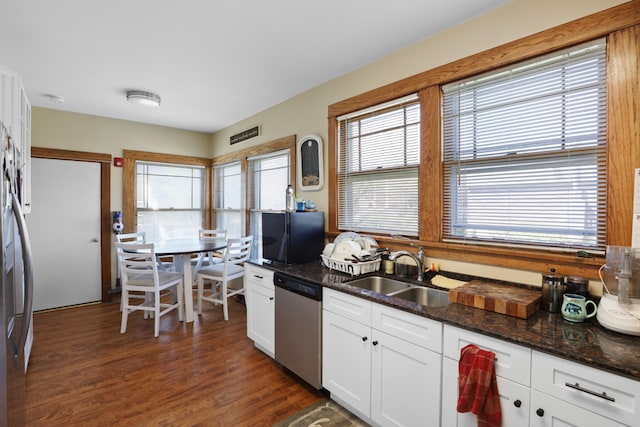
(380, 362)
(566, 387)
(15, 114)
(346, 361)
(7, 101)
(25, 149)
(260, 300)
(405, 382)
(538, 389)
(514, 400)
(513, 367)
(547, 411)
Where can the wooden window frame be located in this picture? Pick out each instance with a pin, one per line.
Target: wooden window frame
(287, 142)
(621, 25)
(129, 207)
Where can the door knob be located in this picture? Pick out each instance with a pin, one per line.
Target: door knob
(517, 403)
(95, 240)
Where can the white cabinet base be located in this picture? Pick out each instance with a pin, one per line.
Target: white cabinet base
(259, 296)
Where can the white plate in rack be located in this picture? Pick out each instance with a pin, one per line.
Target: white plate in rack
(345, 249)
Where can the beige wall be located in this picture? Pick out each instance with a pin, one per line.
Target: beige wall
(307, 112)
(81, 132)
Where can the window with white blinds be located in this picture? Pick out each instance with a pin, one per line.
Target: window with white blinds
(524, 152)
(378, 159)
(169, 200)
(268, 177)
(227, 200)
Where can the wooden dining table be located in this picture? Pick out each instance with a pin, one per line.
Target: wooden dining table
(182, 250)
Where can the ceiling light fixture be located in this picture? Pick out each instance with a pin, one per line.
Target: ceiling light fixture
(54, 98)
(143, 98)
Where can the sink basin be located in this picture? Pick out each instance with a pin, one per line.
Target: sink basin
(382, 285)
(424, 296)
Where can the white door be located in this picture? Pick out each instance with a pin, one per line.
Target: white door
(64, 226)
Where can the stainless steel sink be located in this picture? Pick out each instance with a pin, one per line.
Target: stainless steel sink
(424, 296)
(382, 285)
(397, 289)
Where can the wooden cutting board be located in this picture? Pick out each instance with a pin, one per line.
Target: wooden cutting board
(504, 299)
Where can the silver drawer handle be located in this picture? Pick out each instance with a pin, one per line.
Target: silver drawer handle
(602, 395)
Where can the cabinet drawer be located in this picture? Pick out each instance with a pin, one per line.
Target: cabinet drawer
(607, 394)
(513, 362)
(547, 411)
(258, 276)
(346, 305)
(418, 330)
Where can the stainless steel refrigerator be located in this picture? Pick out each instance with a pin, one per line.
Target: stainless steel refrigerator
(16, 289)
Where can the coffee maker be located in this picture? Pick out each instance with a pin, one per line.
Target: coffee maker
(619, 308)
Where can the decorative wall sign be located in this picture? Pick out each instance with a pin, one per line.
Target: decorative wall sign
(243, 136)
(310, 166)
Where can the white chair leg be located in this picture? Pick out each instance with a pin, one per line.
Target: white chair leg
(200, 293)
(125, 311)
(156, 320)
(223, 297)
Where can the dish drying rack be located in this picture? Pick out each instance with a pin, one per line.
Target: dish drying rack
(352, 267)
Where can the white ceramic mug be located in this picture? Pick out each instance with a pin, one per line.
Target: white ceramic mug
(574, 308)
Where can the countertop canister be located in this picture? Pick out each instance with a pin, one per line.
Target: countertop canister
(553, 288)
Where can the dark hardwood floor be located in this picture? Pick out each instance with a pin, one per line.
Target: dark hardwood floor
(83, 372)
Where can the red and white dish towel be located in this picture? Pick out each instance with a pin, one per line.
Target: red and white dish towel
(478, 387)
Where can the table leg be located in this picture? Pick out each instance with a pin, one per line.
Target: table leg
(183, 263)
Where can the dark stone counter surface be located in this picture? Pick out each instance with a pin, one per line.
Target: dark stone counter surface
(587, 343)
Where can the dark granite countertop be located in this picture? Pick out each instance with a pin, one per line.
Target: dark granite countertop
(587, 343)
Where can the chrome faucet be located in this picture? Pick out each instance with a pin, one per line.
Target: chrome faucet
(418, 258)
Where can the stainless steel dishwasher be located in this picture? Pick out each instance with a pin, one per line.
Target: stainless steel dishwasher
(299, 327)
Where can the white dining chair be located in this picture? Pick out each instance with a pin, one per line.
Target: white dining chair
(236, 254)
(139, 270)
(134, 238)
(141, 237)
(206, 259)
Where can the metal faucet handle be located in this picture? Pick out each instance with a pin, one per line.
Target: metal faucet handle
(420, 253)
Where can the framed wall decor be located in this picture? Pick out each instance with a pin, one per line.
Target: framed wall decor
(310, 166)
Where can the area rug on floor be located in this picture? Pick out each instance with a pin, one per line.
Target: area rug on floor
(323, 413)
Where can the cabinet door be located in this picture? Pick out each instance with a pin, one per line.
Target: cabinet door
(547, 411)
(346, 361)
(405, 383)
(259, 296)
(25, 146)
(514, 400)
(260, 317)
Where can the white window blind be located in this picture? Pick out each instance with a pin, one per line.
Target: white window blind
(268, 177)
(169, 200)
(379, 155)
(524, 152)
(228, 196)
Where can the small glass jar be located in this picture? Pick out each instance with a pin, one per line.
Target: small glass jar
(578, 285)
